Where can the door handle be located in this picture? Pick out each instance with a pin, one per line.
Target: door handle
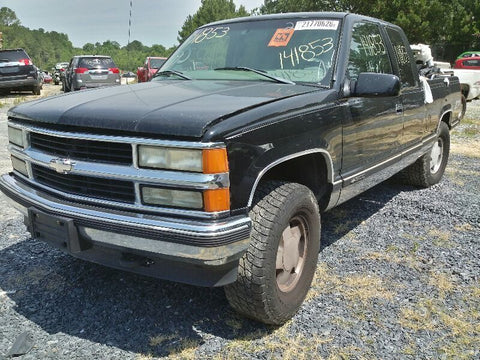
(399, 108)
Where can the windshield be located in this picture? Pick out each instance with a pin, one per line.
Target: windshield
(296, 50)
(96, 63)
(156, 63)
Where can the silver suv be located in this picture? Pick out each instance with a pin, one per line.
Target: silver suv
(90, 71)
(17, 72)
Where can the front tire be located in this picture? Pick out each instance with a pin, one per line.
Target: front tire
(276, 272)
(429, 169)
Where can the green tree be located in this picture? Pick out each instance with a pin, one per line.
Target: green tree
(8, 17)
(455, 23)
(209, 11)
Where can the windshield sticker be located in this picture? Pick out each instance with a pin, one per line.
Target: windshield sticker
(316, 25)
(281, 37)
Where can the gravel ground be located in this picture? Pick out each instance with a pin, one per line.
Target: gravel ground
(398, 278)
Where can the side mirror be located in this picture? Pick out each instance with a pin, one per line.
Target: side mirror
(373, 84)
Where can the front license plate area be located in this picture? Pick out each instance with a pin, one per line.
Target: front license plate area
(57, 231)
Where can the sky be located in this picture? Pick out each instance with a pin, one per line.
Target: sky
(91, 21)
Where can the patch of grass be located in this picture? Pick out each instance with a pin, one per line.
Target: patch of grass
(470, 121)
(144, 357)
(466, 148)
(442, 282)
(235, 324)
(364, 288)
(158, 340)
(343, 227)
(454, 176)
(177, 346)
(356, 288)
(411, 349)
(441, 238)
(418, 318)
(349, 353)
(464, 227)
(184, 349)
(458, 329)
(19, 100)
(279, 344)
(413, 238)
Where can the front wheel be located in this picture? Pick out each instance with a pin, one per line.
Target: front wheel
(429, 169)
(276, 272)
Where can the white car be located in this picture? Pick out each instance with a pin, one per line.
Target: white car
(469, 82)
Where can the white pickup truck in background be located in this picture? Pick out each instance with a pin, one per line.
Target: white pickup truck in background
(469, 79)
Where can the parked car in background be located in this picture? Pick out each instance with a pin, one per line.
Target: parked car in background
(47, 78)
(59, 72)
(90, 71)
(467, 54)
(18, 73)
(152, 64)
(472, 63)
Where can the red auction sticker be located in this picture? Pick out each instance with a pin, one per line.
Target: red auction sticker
(281, 37)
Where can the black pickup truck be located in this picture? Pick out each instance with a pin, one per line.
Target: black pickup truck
(217, 171)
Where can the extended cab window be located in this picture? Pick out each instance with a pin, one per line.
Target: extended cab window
(368, 52)
(402, 56)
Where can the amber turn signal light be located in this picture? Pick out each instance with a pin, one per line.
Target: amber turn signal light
(215, 161)
(216, 200)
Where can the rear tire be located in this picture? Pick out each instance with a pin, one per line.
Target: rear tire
(429, 169)
(276, 272)
(36, 90)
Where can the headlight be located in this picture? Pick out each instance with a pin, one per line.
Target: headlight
(170, 197)
(15, 136)
(170, 158)
(208, 161)
(19, 165)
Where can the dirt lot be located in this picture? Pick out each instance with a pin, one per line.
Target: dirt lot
(398, 278)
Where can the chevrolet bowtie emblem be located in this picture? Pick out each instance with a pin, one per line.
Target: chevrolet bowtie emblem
(62, 166)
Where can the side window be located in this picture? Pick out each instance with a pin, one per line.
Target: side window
(471, 63)
(403, 59)
(368, 52)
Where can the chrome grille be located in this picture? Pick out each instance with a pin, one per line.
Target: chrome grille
(100, 188)
(88, 150)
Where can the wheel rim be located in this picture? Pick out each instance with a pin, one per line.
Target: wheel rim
(436, 156)
(291, 253)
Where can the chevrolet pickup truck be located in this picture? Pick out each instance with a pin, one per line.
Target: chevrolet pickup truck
(152, 64)
(217, 171)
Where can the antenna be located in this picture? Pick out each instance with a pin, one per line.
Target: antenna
(130, 22)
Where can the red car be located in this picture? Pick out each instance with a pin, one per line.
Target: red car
(472, 63)
(47, 78)
(152, 64)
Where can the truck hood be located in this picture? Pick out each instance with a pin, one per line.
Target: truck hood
(183, 108)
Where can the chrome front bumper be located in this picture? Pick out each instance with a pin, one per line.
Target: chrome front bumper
(200, 252)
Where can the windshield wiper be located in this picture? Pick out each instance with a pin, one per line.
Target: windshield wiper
(172, 72)
(259, 72)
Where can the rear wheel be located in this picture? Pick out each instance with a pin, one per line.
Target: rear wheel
(429, 169)
(36, 90)
(276, 272)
